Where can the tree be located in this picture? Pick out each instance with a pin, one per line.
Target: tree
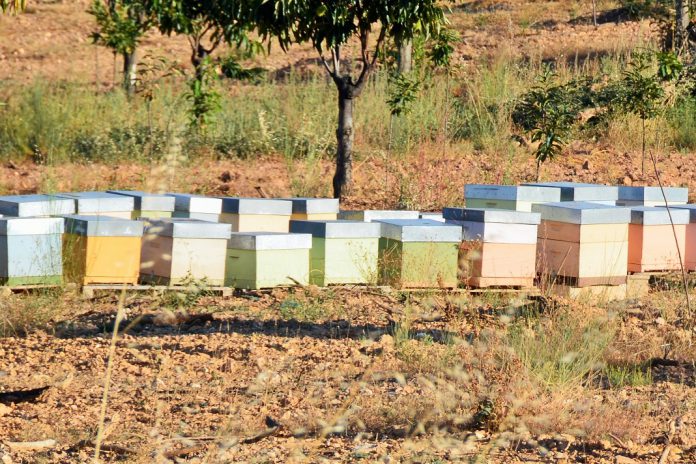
(329, 26)
(122, 24)
(682, 25)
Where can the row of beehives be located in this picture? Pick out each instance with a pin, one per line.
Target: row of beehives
(583, 244)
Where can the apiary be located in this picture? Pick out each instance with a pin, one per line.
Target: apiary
(418, 253)
(577, 191)
(510, 197)
(498, 246)
(377, 215)
(180, 250)
(101, 204)
(314, 209)
(256, 214)
(189, 206)
(267, 259)
(35, 205)
(343, 252)
(651, 239)
(689, 253)
(31, 251)
(148, 205)
(583, 244)
(101, 250)
(652, 196)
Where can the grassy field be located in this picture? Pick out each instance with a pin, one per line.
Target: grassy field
(340, 374)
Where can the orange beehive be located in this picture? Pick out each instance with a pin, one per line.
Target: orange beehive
(651, 239)
(690, 237)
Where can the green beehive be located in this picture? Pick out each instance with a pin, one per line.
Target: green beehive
(267, 259)
(343, 252)
(418, 253)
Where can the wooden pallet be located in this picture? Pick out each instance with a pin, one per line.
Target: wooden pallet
(90, 291)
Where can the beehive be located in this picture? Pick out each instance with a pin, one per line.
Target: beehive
(101, 204)
(499, 247)
(690, 240)
(148, 205)
(651, 239)
(181, 250)
(267, 259)
(314, 209)
(101, 250)
(343, 252)
(511, 197)
(577, 191)
(583, 244)
(418, 253)
(256, 214)
(652, 196)
(377, 215)
(190, 206)
(31, 251)
(35, 205)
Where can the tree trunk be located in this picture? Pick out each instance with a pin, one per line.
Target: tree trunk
(682, 24)
(594, 12)
(130, 61)
(343, 177)
(198, 61)
(405, 60)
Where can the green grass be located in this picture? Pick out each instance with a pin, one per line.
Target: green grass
(619, 376)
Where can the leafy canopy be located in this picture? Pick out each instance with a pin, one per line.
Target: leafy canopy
(121, 24)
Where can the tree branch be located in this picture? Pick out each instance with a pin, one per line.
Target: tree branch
(326, 66)
(336, 56)
(368, 63)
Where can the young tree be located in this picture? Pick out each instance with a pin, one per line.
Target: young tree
(329, 26)
(122, 24)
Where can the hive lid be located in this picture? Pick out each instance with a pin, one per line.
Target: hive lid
(432, 216)
(691, 208)
(236, 205)
(336, 229)
(187, 228)
(269, 241)
(148, 201)
(377, 214)
(102, 226)
(35, 205)
(30, 226)
(530, 193)
(491, 215)
(196, 203)
(420, 230)
(99, 202)
(673, 194)
(313, 205)
(579, 212)
(576, 191)
(651, 215)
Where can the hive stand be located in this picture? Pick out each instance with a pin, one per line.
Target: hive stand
(508, 197)
(148, 205)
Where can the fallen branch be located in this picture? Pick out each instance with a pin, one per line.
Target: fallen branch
(31, 445)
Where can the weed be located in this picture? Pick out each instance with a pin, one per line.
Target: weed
(20, 315)
(619, 376)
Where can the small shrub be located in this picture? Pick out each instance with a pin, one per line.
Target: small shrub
(20, 315)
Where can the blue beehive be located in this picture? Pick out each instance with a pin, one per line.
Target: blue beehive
(31, 251)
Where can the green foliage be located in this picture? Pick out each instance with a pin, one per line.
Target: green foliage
(619, 376)
(12, 6)
(403, 91)
(203, 98)
(640, 92)
(122, 24)
(669, 66)
(232, 69)
(440, 54)
(548, 113)
(639, 9)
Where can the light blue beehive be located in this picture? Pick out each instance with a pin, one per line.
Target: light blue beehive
(35, 205)
(31, 251)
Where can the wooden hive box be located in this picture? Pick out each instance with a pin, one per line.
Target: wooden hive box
(418, 253)
(267, 259)
(314, 209)
(651, 196)
(577, 191)
(343, 252)
(101, 250)
(651, 239)
(690, 239)
(31, 251)
(179, 250)
(498, 247)
(101, 204)
(510, 197)
(583, 244)
(189, 206)
(256, 214)
(377, 215)
(148, 205)
(36, 205)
